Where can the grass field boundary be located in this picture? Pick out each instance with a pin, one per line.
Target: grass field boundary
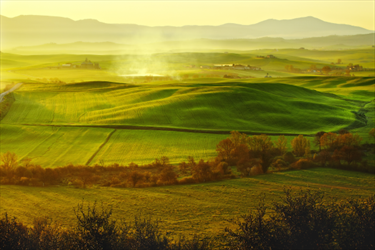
(132, 127)
(100, 147)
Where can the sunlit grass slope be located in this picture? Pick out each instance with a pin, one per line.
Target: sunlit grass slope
(226, 105)
(52, 146)
(201, 208)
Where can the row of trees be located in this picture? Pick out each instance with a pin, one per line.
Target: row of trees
(252, 155)
(255, 154)
(159, 172)
(302, 220)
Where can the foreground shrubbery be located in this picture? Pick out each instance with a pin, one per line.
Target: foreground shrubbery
(303, 220)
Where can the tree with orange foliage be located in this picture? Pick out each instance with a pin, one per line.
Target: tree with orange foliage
(329, 140)
(281, 143)
(168, 176)
(348, 139)
(238, 138)
(224, 148)
(202, 172)
(240, 154)
(261, 147)
(223, 168)
(323, 157)
(183, 167)
(299, 145)
(134, 177)
(317, 139)
(9, 161)
(350, 154)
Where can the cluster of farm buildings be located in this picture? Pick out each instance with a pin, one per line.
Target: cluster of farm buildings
(227, 66)
(87, 64)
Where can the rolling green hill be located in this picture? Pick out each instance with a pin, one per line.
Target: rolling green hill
(226, 105)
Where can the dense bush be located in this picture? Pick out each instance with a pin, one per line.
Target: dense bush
(304, 221)
(94, 230)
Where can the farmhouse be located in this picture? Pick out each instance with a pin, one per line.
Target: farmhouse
(205, 67)
(235, 66)
(89, 65)
(271, 56)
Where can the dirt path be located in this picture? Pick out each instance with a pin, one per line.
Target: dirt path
(9, 91)
(100, 147)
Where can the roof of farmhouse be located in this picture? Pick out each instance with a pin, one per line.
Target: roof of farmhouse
(87, 62)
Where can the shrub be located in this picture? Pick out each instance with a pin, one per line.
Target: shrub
(96, 229)
(187, 180)
(13, 234)
(289, 157)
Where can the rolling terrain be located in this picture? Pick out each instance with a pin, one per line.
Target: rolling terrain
(88, 117)
(226, 105)
(92, 116)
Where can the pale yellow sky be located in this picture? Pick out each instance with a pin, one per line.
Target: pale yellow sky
(179, 13)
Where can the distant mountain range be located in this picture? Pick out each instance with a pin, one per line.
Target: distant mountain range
(196, 45)
(33, 30)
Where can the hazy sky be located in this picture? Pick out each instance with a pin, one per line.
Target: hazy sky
(192, 12)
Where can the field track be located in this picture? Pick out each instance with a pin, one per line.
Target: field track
(206, 131)
(101, 146)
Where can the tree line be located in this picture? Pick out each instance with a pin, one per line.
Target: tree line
(302, 220)
(250, 155)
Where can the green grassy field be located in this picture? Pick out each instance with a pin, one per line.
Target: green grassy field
(59, 146)
(226, 105)
(189, 209)
(288, 103)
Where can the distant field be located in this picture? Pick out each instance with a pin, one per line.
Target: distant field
(188, 209)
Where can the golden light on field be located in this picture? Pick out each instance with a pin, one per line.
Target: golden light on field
(179, 13)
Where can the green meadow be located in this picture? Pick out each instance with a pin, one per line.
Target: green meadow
(92, 116)
(227, 105)
(188, 209)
